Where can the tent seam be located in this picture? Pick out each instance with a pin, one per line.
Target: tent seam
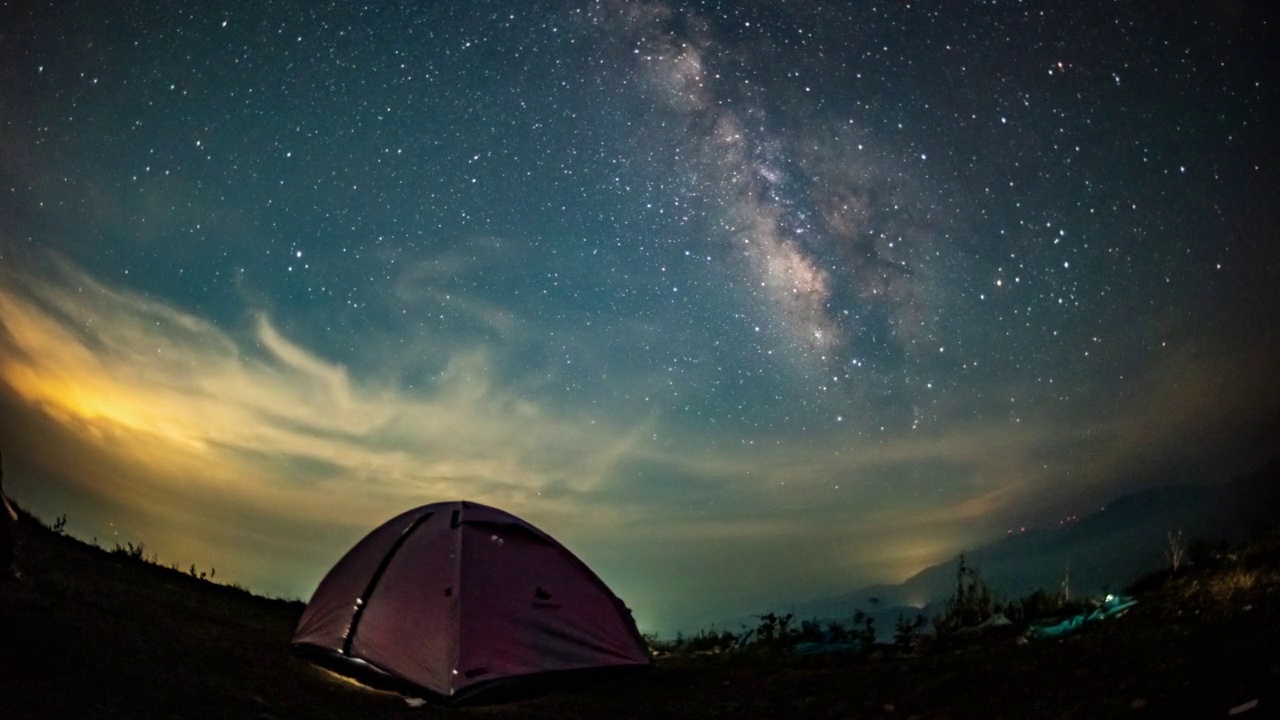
(381, 570)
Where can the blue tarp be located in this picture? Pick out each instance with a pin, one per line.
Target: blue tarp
(828, 648)
(1112, 606)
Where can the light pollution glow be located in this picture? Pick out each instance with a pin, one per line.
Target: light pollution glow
(211, 433)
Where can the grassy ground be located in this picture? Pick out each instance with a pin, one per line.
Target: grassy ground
(90, 634)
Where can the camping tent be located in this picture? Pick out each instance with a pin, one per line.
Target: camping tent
(464, 600)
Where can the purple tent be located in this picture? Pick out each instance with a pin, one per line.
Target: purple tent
(465, 600)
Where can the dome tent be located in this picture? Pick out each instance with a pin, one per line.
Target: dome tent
(466, 602)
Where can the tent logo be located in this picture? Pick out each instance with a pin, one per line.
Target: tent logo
(542, 599)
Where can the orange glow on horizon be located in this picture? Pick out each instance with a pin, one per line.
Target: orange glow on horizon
(88, 405)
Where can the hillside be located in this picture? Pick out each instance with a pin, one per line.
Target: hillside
(1101, 550)
(91, 634)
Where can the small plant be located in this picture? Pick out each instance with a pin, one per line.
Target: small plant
(971, 603)
(1038, 605)
(774, 630)
(1175, 550)
(131, 551)
(810, 631)
(657, 646)
(1204, 553)
(710, 641)
(905, 632)
(705, 641)
(60, 524)
(1226, 584)
(866, 635)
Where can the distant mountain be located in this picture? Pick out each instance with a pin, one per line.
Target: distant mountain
(1099, 553)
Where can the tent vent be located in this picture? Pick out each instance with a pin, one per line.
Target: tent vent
(453, 524)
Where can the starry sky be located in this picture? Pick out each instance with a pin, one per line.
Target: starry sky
(745, 302)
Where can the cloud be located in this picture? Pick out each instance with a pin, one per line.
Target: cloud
(163, 383)
(447, 281)
(245, 446)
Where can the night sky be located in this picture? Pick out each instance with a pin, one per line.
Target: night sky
(744, 302)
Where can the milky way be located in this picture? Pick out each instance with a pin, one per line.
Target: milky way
(801, 225)
(742, 301)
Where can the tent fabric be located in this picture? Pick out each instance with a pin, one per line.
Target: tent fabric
(458, 599)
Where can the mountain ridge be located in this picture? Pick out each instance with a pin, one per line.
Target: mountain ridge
(1098, 553)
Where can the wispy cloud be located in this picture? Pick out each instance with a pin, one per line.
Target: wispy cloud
(103, 359)
(245, 438)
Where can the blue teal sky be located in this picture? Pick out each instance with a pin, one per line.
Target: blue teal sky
(745, 303)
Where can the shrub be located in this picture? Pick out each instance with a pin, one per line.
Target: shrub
(971, 603)
(810, 631)
(775, 630)
(1175, 550)
(711, 641)
(866, 635)
(1036, 606)
(705, 641)
(130, 551)
(906, 631)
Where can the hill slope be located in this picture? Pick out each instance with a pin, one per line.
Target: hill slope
(1102, 550)
(90, 634)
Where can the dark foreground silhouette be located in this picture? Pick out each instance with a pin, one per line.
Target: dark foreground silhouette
(90, 634)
